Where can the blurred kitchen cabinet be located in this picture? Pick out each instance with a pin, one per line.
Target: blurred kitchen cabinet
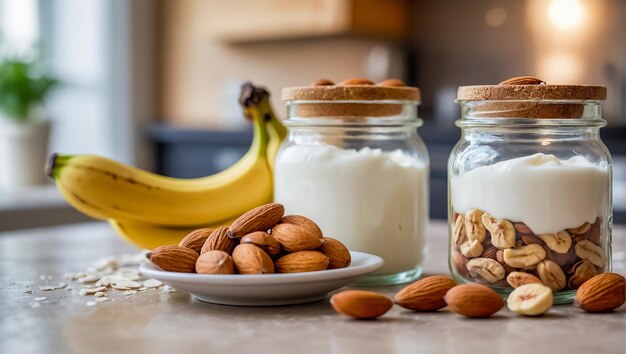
(240, 21)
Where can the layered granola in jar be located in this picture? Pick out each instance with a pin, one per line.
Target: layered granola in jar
(530, 187)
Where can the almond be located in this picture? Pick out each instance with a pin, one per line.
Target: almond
(337, 253)
(425, 294)
(355, 81)
(195, 239)
(517, 279)
(522, 228)
(473, 300)
(215, 262)
(174, 258)
(303, 221)
(361, 304)
(303, 261)
(323, 82)
(602, 293)
(261, 218)
(263, 240)
(295, 238)
(522, 80)
(250, 259)
(218, 240)
(391, 82)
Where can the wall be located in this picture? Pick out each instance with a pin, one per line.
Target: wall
(200, 77)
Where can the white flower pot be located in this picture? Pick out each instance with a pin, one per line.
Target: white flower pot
(23, 153)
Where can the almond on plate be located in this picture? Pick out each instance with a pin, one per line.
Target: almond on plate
(303, 221)
(295, 238)
(261, 218)
(215, 262)
(218, 240)
(174, 258)
(337, 253)
(195, 239)
(250, 259)
(303, 261)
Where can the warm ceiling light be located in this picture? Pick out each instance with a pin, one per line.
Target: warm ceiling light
(565, 14)
(495, 17)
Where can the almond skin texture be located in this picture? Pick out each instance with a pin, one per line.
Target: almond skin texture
(425, 294)
(295, 238)
(218, 240)
(303, 261)
(303, 221)
(250, 259)
(523, 80)
(337, 253)
(261, 218)
(215, 262)
(473, 300)
(174, 258)
(196, 239)
(264, 240)
(602, 293)
(361, 304)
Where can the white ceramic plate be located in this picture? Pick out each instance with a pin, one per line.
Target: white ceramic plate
(266, 289)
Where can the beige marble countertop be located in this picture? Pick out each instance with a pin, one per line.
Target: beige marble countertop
(154, 321)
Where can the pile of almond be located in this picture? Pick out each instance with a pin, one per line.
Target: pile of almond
(602, 293)
(507, 254)
(261, 241)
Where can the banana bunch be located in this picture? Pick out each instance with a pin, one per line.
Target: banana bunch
(150, 210)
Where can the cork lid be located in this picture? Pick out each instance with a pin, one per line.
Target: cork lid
(328, 98)
(527, 88)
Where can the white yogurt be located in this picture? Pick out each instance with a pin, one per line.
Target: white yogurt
(372, 201)
(547, 194)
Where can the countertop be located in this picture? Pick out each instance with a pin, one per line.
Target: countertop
(156, 321)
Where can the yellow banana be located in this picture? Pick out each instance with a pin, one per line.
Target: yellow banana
(104, 188)
(149, 236)
(277, 133)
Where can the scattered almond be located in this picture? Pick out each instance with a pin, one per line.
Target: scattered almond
(361, 304)
(602, 293)
(337, 253)
(195, 239)
(425, 294)
(473, 300)
(303, 261)
(261, 218)
(174, 258)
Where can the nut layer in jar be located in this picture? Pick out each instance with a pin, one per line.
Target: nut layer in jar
(505, 253)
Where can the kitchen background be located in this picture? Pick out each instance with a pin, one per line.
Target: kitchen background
(155, 83)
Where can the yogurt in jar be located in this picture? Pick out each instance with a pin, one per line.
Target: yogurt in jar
(372, 201)
(542, 191)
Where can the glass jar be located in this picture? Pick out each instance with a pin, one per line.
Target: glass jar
(530, 188)
(354, 164)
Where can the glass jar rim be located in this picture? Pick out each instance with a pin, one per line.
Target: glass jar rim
(524, 123)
